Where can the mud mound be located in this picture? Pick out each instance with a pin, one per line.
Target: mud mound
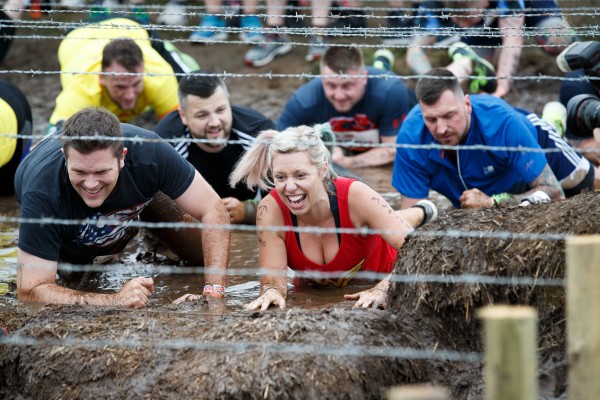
(449, 309)
(178, 352)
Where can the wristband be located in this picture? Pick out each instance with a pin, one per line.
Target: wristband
(214, 290)
(502, 197)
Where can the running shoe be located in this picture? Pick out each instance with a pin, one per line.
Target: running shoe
(251, 29)
(316, 48)
(209, 30)
(384, 59)
(174, 13)
(274, 45)
(483, 70)
(556, 115)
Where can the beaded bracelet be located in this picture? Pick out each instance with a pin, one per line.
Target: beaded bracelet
(217, 289)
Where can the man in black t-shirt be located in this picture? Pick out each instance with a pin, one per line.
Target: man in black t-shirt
(205, 113)
(110, 181)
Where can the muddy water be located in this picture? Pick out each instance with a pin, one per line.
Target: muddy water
(172, 281)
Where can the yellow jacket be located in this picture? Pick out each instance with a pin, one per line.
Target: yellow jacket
(81, 52)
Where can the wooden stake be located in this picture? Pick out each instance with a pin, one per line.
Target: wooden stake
(510, 342)
(583, 322)
(417, 392)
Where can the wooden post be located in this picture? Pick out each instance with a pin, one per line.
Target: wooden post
(583, 308)
(417, 392)
(510, 342)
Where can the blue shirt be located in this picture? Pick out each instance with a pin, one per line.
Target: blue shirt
(383, 107)
(493, 123)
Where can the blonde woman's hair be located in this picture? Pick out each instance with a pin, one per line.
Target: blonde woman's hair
(254, 168)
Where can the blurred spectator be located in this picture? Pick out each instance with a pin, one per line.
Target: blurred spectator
(278, 43)
(11, 10)
(488, 31)
(15, 118)
(359, 106)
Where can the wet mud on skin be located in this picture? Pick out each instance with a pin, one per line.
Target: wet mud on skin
(316, 348)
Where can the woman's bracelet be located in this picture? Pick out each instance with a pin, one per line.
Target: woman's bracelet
(217, 289)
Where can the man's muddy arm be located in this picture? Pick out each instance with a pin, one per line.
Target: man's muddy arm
(36, 282)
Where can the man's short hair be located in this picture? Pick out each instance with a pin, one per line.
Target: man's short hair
(199, 83)
(430, 88)
(123, 51)
(92, 121)
(343, 59)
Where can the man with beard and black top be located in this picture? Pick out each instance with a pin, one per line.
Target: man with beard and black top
(224, 132)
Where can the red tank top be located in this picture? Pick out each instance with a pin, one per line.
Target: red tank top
(356, 253)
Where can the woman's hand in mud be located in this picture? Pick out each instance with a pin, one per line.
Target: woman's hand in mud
(135, 293)
(270, 296)
(371, 298)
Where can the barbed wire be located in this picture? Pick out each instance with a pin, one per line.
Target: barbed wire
(270, 75)
(246, 347)
(245, 142)
(501, 235)
(257, 272)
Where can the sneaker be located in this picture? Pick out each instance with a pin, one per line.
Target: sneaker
(316, 48)
(262, 54)
(186, 62)
(174, 13)
(431, 212)
(209, 30)
(401, 26)
(384, 59)
(482, 68)
(555, 114)
(251, 27)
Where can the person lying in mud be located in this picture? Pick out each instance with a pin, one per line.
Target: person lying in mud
(305, 192)
(116, 64)
(103, 185)
(205, 113)
(472, 178)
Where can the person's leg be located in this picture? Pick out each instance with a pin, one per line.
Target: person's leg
(184, 242)
(275, 44)
(250, 22)
(554, 31)
(320, 19)
(211, 26)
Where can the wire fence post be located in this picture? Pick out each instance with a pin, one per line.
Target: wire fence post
(417, 392)
(583, 308)
(510, 346)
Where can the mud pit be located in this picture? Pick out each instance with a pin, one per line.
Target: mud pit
(179, 351)
(190, 352)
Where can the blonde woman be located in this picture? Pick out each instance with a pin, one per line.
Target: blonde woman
(305, 192)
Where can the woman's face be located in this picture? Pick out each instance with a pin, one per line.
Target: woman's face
(298, 181)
